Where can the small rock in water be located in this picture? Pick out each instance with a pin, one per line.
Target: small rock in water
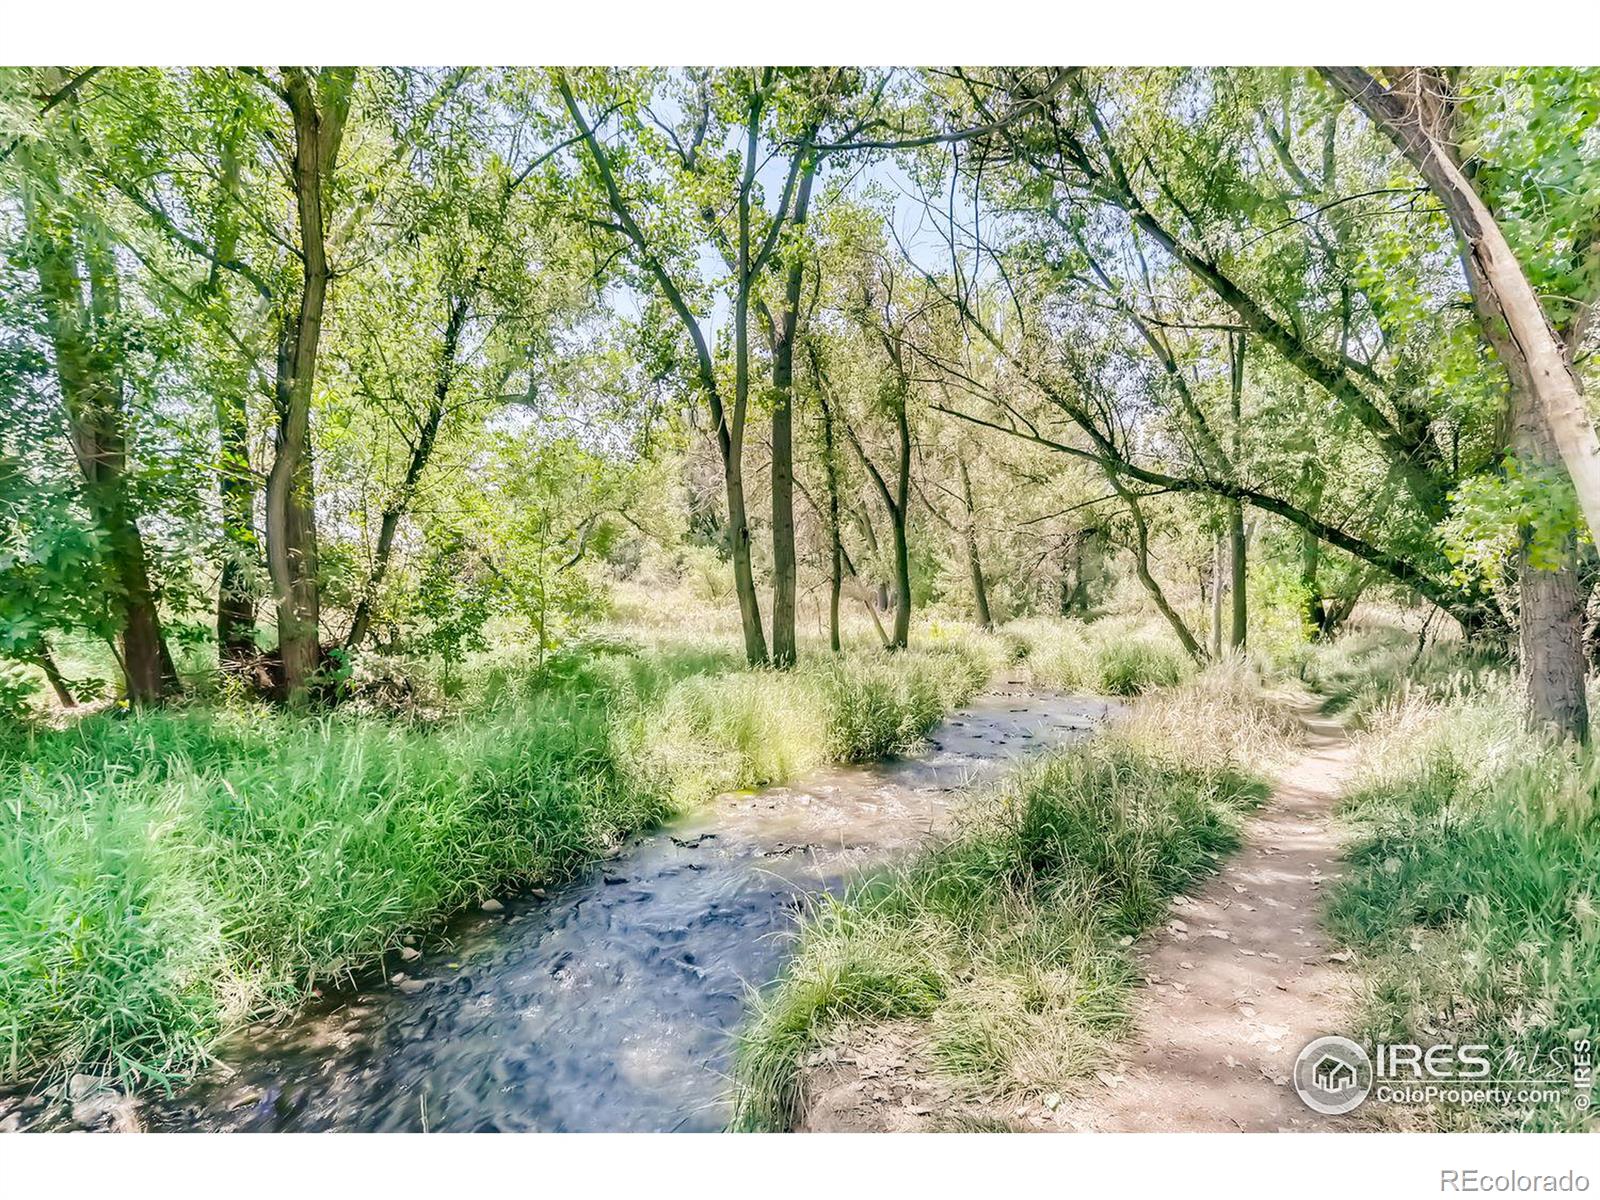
(410, 953)
(491, 906)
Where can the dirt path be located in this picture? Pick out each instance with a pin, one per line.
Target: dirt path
(1240, 978)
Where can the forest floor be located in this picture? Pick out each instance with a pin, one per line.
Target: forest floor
(1241, 976)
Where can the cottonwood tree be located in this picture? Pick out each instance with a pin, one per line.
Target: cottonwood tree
(1419, 109)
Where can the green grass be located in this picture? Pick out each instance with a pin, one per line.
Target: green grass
(1109, 657)
(1473, 894)
(165, 875)
(1007, 944)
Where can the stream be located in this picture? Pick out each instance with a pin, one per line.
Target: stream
(611, 1003)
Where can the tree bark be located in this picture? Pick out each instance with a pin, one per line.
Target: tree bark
(1236, 540)
(1141, 565)
(58, 683)
(1552, 601)
(1219, 585)
(895, 501)
(319, 106)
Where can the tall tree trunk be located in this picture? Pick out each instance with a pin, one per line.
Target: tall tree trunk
(236, 606)
(1552, 601)
(980, 589)
(1236, 539)
(89, 374)
(895, 501)
(783, 554)
(1238, 627)
(236, 486)
(744, 583)
(319, 106)
(830, 467)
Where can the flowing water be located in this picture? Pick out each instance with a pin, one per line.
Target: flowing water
(611, 1003)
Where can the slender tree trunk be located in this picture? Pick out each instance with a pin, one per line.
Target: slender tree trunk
(1141, 565)
(1236, 540)
(1218, 586)
(58, 683)
(1238, 626)
(830, 466)
(236, 606)
(421, 452)
(783, 553)
(980, 589)
(236, 485)
(90, 378)
(319, 108)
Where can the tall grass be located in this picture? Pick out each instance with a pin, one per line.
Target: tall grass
(1007, 945)
(1363, 674)
(1473, 894)
(165, 875)
(1113, 656)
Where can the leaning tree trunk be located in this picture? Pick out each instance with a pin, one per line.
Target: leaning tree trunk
(1141, 566)
(1416, 121)
(421, 452)
(58, 682)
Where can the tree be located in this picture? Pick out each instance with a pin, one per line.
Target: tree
(78, 281)
(1419, 112)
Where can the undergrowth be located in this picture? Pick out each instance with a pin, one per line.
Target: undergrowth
(1473, 894)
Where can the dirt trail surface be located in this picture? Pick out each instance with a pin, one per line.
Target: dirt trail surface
(1241, 976)
(1238, 980)
(609, 1004)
